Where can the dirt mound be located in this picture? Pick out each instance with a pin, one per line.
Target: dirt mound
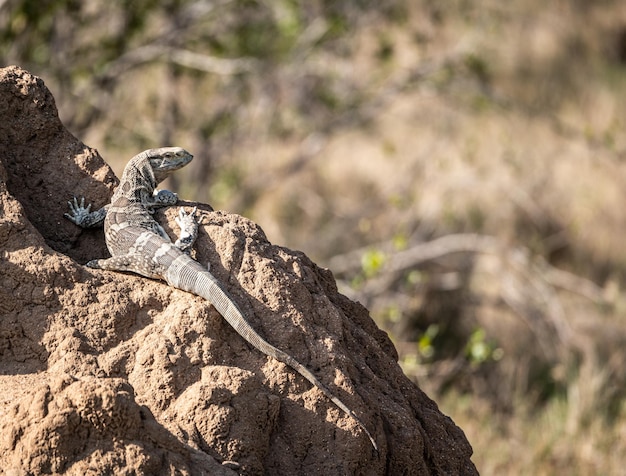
(105, 373)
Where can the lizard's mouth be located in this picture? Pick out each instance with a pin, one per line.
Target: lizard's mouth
(169, 164)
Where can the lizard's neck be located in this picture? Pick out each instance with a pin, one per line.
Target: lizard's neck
(138, 183)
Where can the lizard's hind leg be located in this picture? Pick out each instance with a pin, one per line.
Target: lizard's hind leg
(131, 263)
(188, 229)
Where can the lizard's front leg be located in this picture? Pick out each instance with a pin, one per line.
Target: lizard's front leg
(83, 216)
(164, 198)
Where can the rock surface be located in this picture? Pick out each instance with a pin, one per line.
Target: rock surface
(110, 373)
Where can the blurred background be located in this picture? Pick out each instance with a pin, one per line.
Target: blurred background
(460, 166)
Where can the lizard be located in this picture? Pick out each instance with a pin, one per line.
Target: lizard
(138, 244)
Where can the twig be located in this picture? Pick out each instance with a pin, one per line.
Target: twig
(210, 64)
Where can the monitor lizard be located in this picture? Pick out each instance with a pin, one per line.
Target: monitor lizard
(138, 244)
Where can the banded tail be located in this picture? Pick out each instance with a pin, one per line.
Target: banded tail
(186, 274)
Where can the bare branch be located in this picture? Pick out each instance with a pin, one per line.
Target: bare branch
(158, 52)
(573, 283)
(420, 253)
(446, 245)
(527, 283)
(210, 64)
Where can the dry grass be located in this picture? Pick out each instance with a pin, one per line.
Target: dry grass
(535, 158)
(537, 441)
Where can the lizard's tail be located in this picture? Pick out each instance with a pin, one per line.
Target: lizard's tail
(188, 275)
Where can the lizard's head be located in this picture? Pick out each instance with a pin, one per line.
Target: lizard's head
(165, 160)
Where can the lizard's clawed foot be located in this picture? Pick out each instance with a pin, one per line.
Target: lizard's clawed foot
(79, 214)
(82, 215)
(188, 224)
